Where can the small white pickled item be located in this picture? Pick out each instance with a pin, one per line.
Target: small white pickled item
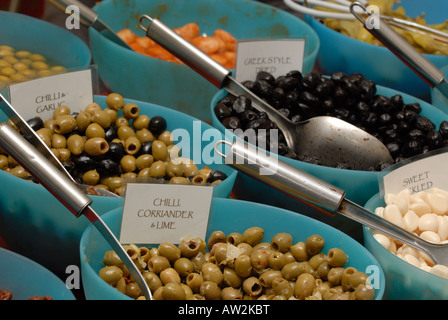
(428, 222)
(402, 204)
(409, 258)
(392, 213)
(411, 221)
(430, 236)
(379, 211)
(438, 203)
(406, 194)
(420, 208)
(442, 229)
(440, 192)
(390, 198)
(440, 270)
(382, 239)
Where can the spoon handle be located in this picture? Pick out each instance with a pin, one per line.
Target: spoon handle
(310, 190)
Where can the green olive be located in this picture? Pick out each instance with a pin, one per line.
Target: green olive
(211, 272)
(159, 151)
(314, 244)
(64, 124)
(131, 110)
(253, 235)
(183, 266)
(94, 130)
(61, 110)
(115, 101)
(132, 145)
(128, 163)
(194, 281)
(141, 122)
(282, 241)
(96, 146)
(170, 251)
(75, 143)
(337, 257)
(304, 286)
(111, 274)
(102, 118)
(157, 264)
(210, 290)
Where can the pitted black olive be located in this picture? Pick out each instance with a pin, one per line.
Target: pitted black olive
(265, 89)
(443, 129)
(433, 139)
(368, 90)
(248, 116)
(311, 80)
(110, 133)
(287, 83)
(416, 107)
(416, 134)
(232, 122)
(295, 74)
(309, 99)
(339, 95)
(279, 95)
(412, 148)
(396, 102)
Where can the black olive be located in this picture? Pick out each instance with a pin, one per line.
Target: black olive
(291, 98)
(228, 100)
(116, 151)
(412, 148)
(241, 104)
(285, 111)
(278, 95)
(410, 116)
(232, 123)
(295, 74)
(266, 76)
(260, 124)
(110, 133)
(36, 123)
(380, 104)
(338, 76)
(157, 125)
(311, 80)
(416, 134)
(394, 148)
(443, 129)
(369, 119)
(297, 117)
(287, 83)
(306, 110)
(248, 116)
(434, 139)
(309, 99)
(324, 89)
(424, 124)
(342, 113)
(416, 107)
(362, 107)
(356, 78)
(222, 111)
(266, 89)
(339, 95)
(253, 86)
(328, 105)
(69, 166)
(368, 90)
(216, 175)
(84, 162)
(107, 167)
(396, 102)
(384, 119)
(146, 147)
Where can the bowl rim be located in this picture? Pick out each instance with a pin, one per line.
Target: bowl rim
(85, 262)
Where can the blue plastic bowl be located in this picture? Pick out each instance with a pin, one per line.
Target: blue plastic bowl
(230, 215)
(403, 280)
(58, 45)
(26, 278)
(359, 186)
(339, 52)
(35, 224)
(173, 85)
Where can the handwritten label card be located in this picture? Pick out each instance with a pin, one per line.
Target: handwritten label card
(418, 175)
(40, 97)
(277, 57)
(156, 213)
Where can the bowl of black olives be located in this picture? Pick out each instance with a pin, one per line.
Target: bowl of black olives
(108, 143)
(406, 125)
(250, 251)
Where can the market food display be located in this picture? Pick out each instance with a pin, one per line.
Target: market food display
(220, 46)
(353, 98)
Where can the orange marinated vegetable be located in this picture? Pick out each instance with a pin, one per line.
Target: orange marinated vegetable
(220, 46)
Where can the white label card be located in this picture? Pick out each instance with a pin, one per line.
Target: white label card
(156, 213)
(418, 175)
(277, 57)
(40, 97)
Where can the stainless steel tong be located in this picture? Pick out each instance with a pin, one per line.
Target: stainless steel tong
(317, 193)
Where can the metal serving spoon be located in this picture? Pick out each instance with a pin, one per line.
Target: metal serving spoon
(331, 140)
(317, 193)
(32, 136)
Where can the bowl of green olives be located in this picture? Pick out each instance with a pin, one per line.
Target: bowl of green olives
(128, 140)
(406, 125)
(144, 78)
(251, 251)
(31, 47)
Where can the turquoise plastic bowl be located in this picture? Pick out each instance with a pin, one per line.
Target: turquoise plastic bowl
(35, 224)
(229, 215)
(339, 52)
(359, 186)
(174, 85)
(26, 278)
(58, 45)
(403, 280)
